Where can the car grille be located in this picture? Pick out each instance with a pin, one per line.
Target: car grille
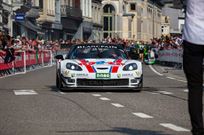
(100, 82)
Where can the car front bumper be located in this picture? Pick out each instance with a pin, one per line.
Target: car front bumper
(113, 83)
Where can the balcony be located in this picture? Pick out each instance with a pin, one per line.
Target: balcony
(67, 11)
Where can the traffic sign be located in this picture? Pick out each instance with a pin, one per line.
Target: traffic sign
(19, 17)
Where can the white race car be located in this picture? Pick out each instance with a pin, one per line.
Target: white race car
(98, 66)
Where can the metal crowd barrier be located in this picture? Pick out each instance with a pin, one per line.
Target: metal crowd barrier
(25, 61)
(172, 57)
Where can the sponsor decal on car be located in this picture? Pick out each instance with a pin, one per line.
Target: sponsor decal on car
(102, 75)
(127, 75)
(97, 46)
(119, 75)
(81, 75)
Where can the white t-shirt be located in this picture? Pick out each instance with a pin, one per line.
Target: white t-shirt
(194, 22)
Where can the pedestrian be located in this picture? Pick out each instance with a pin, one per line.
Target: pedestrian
(193, 36)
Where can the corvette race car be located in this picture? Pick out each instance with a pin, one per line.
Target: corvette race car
(98, 66)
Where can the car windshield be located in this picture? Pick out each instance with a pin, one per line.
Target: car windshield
(97, 51)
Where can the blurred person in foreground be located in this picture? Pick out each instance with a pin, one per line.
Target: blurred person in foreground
(192, 61)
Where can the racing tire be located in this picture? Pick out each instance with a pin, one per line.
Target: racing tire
(139, 89)
(59, 83)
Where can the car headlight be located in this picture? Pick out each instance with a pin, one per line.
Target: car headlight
(73, 66)
(130, 67)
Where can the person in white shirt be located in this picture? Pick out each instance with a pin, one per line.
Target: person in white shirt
(193, 55)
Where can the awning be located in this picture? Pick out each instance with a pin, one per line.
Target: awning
(33, 13)
(28, 24)
(23, 9)
(87, 27)
(69, 24)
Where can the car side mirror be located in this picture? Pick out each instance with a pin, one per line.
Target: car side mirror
(59, 57)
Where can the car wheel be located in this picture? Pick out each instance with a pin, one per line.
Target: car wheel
(139, 88)
(59, 83)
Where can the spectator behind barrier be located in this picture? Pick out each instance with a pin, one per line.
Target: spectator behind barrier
(9, 50)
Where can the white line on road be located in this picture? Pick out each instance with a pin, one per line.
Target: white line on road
(154, 93)
(25, 92)
(186, 90)
(165, 92)
(142, 115)
(150, 66)
(174, 127)
(62, 93)
(171, 78)
(181, 80)
(117, 105)
(105, 99)
(96, 95)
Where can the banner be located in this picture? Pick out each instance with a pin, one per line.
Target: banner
(174, 55)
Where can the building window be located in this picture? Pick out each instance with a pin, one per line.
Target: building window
(108, 21)
(132, 6)
(41, 5)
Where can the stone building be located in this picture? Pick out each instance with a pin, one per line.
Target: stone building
(130, 19)
(50, 18)
(97, 20)
(71, 18)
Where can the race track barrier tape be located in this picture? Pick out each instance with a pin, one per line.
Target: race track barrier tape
(24, 60)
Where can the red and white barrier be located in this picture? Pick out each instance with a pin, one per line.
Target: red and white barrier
(24, 60)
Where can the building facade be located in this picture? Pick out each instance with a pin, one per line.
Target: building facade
(175, 11)
(165, 26)
(28, 26)
(1, 18)
(50, 18)
(71, 18)
(19, 18)
(96, 20)
(130, 19)
(8, 14)
(85, 29)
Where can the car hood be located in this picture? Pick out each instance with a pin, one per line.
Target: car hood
(101, 65)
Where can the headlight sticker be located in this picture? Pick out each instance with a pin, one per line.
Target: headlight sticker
(137, 73)
(66, 73)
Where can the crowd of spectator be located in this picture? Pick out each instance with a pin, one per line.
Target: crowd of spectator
(166, 42)
(9, 44)
(25, 44)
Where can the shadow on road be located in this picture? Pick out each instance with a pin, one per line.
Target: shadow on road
(55, 89)
(120, 130)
